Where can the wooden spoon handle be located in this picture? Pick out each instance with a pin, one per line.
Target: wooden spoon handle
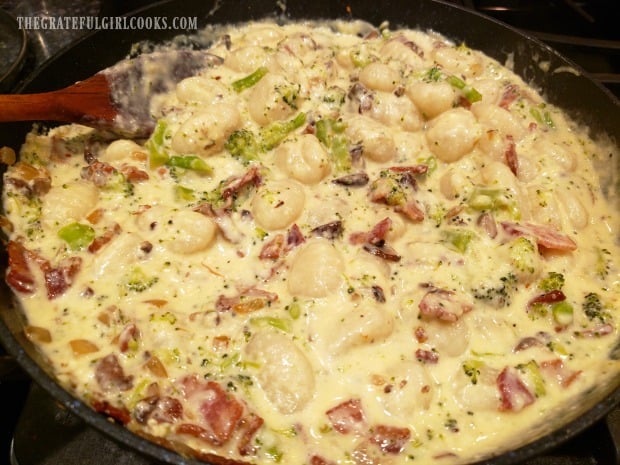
(85, 101)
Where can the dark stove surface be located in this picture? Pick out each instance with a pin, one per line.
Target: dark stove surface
(584, 31)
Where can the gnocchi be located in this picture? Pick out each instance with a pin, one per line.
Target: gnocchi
(453, 134)
(205, 132)
(285, 373)
(277, 204)
(316, 270)
(304, 159)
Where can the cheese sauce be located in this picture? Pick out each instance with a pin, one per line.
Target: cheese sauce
(334, 248)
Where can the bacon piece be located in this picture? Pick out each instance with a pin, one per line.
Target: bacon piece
(528, 342)
(98, 172)
(378, 294)
(248, 425)
(273, 249)
(377, 234)
(163, 409)
(30, 180)
(410, 44)
(294, 237)
(362, 96)
(357, 158)
(545, 236)
(443, 305)
(133, 174)
(355, 179)
(128, 335)
(383, 251)
(223, 220)
(18, 275)
(559, 372)
(347, 417)
(514, 394)
(547, 298)
(598, 331)
(60, 278)
(412, 169)
(318, 460)
(510, 156)
(278, 247)
(426, 356)
(57, 279)
(487, 223)
(235, 184)
(246, 301)
(106, 237)
(220, 411)
(110, 376)
(445, 455)
(411, 210)
(390, 439)
(331, 230)
(120, 414)
(420, 334)
(384, 190)
(511, 93)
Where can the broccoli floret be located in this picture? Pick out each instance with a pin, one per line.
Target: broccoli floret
(472, 369)
(489, 199)
(499, 295)
(593, 308)
(242, 144)
(552, 282)
(138, 281)
(523, 256)
(603, 262)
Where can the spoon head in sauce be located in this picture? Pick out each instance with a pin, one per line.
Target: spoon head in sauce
(133, 83)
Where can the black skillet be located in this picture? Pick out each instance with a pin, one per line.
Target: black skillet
(559, 80)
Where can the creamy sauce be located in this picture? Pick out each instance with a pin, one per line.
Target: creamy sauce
(332, 249)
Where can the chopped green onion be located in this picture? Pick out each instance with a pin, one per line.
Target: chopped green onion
(458, 238)
(155, 145)
(562, 313)
(294, 310)
(189, 162)
(77, 235)
(275, 133)
(184, 193)
(279, 323)
(330, 133)
(250, 80)
(471, 94)
(542, 117)
(532, 372)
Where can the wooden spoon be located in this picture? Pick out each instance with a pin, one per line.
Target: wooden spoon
(116, 99)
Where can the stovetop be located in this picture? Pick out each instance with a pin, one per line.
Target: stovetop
(36, 431)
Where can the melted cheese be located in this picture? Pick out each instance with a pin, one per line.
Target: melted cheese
(369, 273)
